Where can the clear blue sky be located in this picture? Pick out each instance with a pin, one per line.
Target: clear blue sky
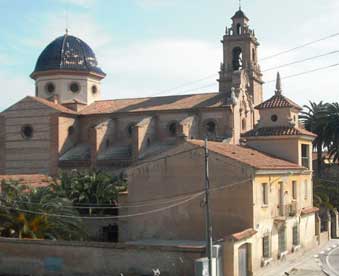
(150, 46)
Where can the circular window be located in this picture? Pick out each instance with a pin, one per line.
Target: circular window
(27, 132)
(50, 87)
(172, 129)
(94, 89)
(274, 118)
(70, 131)
(74, 87)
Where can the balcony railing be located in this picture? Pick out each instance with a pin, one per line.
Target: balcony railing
(286, 210)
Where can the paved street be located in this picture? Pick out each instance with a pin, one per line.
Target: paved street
(318, 262)
(330, 259)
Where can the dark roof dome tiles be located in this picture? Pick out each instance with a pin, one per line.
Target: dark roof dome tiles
(239, 14)
(68, 52)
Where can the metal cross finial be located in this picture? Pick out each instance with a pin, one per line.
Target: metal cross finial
(239, 4)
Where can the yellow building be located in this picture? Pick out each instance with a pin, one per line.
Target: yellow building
(261, 191)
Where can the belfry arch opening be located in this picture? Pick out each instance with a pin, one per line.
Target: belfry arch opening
(238, 29)
(237, 58)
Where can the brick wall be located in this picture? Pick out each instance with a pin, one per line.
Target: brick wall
(26, 156)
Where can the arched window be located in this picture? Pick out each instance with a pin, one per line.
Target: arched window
(210, 128)
(148, 142)
(238, 28)
(237, 58)
(173, 129)
(107, 143)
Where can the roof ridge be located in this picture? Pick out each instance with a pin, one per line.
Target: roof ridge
(150, 97)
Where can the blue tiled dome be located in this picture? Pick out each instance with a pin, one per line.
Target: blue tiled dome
(68, 52)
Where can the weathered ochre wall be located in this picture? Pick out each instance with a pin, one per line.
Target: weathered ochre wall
(183, 174)
(287, 149)
(28, 155)
(265, 215)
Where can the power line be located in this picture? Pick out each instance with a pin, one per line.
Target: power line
(184, 85)
(306, 72)
(106, 217)
(265, 58)
(300, 46)
(35, 203)
(300, 61)
(126, 216)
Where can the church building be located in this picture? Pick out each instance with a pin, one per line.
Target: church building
(67, 124)
(260, 157)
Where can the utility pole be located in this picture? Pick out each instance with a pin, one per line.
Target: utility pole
(207, 210)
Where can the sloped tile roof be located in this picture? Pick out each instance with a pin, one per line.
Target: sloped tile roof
(248, 156)
(278, 101)
(278, 131)
(244, 234)
(176, 102)
(53, 105)
(309, 210)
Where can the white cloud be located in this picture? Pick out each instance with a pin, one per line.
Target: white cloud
(153, 66)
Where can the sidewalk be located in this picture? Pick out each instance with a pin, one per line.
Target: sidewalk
(301, 264)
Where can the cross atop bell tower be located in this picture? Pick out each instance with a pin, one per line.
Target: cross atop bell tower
(240, 68)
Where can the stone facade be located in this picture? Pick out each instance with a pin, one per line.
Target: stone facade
(73, 128)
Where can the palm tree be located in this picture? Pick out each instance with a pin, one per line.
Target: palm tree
(25, 213)
(89, 188)
(332, 131)
(314, 117)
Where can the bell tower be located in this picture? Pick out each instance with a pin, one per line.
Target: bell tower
(240, 69)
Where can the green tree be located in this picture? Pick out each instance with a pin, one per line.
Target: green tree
(314, 117)
(25, 213)
(90, 188)
(332, 131)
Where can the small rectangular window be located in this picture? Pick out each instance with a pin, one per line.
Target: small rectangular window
(294, 190)
(306, 189)
(266, 247)
(305, 156)
(265, 194)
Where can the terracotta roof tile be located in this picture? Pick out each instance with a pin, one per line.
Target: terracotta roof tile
(278, 101)
(176, 102)
(244, 234)
(53, 105)
(278, 131)
(35, 180)
(248, 156)
(309, 210)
